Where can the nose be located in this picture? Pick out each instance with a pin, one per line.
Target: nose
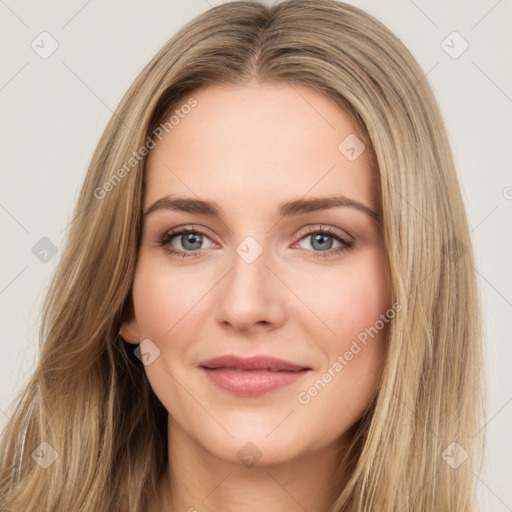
(251, 296)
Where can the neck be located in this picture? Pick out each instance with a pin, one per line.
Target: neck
(196, 479)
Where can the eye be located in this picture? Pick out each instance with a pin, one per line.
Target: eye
(322, 240)
(187, 242)
(190, 240)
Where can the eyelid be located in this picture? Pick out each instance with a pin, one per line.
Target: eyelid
(179, 230)
(314, 228)
(188, 227)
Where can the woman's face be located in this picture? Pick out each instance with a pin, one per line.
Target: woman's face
(280, 165)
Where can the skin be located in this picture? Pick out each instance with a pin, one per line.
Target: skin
(251, 148)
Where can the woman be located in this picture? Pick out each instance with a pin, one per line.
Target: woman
(317, 346)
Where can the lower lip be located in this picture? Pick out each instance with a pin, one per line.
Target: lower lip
(252, 382)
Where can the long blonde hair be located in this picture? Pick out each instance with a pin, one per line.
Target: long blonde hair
(89, 398)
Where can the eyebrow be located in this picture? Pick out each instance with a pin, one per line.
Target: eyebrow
(288, 209)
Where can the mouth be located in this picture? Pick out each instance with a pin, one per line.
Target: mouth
(252, 376)
(263, 363)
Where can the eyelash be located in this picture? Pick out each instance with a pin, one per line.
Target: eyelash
(166, 239)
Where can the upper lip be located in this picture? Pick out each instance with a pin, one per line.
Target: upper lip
(251, 363)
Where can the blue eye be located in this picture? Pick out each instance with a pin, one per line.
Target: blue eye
(322, 239)
(192, 239)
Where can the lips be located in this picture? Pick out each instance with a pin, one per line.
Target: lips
(251, 376)
(266, 363)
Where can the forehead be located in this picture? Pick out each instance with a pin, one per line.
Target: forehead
(258, 145)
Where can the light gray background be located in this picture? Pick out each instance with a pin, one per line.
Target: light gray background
(55, 109)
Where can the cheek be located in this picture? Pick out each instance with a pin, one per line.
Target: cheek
(351, 335)
(164, 300)
(346, 301)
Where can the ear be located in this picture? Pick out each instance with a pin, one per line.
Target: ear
(129, 327)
